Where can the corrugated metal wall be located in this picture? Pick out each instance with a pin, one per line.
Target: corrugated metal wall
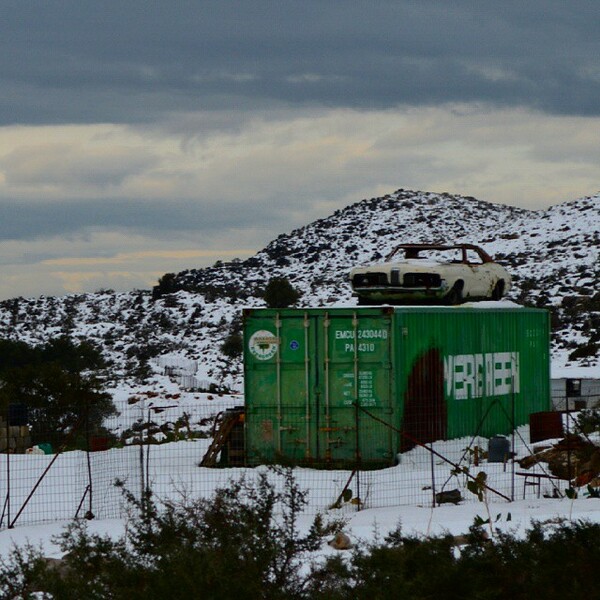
(337, 385)
(471, 371)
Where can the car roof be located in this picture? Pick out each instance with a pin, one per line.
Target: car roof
(482, 253)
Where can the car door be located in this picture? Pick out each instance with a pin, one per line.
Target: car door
(480, 275)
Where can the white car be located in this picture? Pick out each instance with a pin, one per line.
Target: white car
(431, 273)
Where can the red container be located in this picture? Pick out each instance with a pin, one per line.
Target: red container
(97, 444)
(545, 426)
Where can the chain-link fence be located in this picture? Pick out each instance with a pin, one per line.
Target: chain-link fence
(61, 464)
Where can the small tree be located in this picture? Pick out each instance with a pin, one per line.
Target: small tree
(58, 384)
(167, 284)
(233, 345)
(244, 542)
(280, 293)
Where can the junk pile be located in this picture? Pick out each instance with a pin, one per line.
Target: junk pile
(574, 458)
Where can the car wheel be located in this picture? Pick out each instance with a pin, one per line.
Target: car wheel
(455, 295)
(498, 290)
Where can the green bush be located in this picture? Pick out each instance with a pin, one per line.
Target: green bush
(588, 421)
(58, 384)
(233, 346)
(280, 293)
(586, 351)
(245, 543)
(547, 562)
(167, 284)
(242, 543)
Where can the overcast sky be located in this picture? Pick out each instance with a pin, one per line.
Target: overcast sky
(139, 137)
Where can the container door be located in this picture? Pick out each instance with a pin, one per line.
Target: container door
(280, 359)
(355, 360)
(297, 356)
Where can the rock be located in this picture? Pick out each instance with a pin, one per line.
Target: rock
(340, 542)
(448, 497)
(463, 540)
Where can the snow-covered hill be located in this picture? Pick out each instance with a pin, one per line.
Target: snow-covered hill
(552, 254)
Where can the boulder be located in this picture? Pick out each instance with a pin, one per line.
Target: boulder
(340, 542)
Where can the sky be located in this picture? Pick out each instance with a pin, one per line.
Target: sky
(139, 138)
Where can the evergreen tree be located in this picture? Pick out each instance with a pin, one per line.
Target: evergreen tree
(58, 385)
(280, 293)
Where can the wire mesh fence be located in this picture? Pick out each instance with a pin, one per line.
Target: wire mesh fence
(560, 401)
(60, 464)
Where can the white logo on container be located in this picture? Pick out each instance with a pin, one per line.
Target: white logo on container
(482, 375)
(263, 344)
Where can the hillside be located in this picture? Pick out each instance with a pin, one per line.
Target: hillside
(552, 254)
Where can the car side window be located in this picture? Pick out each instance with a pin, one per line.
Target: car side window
(473, 257)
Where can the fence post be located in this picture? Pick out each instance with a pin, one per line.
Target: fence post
(569, 445)
(147, 479)
(357, 408)
(142, 483)
(358, 458)
(89, 515)
(512, 426)
(432, 475)
(10, 526)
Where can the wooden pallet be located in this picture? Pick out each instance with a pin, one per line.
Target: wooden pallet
(224, 425)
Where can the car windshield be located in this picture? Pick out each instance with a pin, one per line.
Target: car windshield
(441, 256)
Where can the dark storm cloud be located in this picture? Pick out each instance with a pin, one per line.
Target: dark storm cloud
(29, 221)
(131, 61)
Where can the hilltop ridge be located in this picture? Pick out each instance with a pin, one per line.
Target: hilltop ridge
(552, 255)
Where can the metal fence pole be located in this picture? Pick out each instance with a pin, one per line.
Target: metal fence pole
(142, 482)
(569, 445)
(147, 479)
(357, 406)
(10, 526)
(89, 514)
(512, 426)
(432, 474)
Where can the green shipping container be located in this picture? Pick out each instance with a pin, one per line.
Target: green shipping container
(346, 384)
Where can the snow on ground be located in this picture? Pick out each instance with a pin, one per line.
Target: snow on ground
(163, 401)
(400, 494)
(392, 496)
(560, 372)
(367, 525)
